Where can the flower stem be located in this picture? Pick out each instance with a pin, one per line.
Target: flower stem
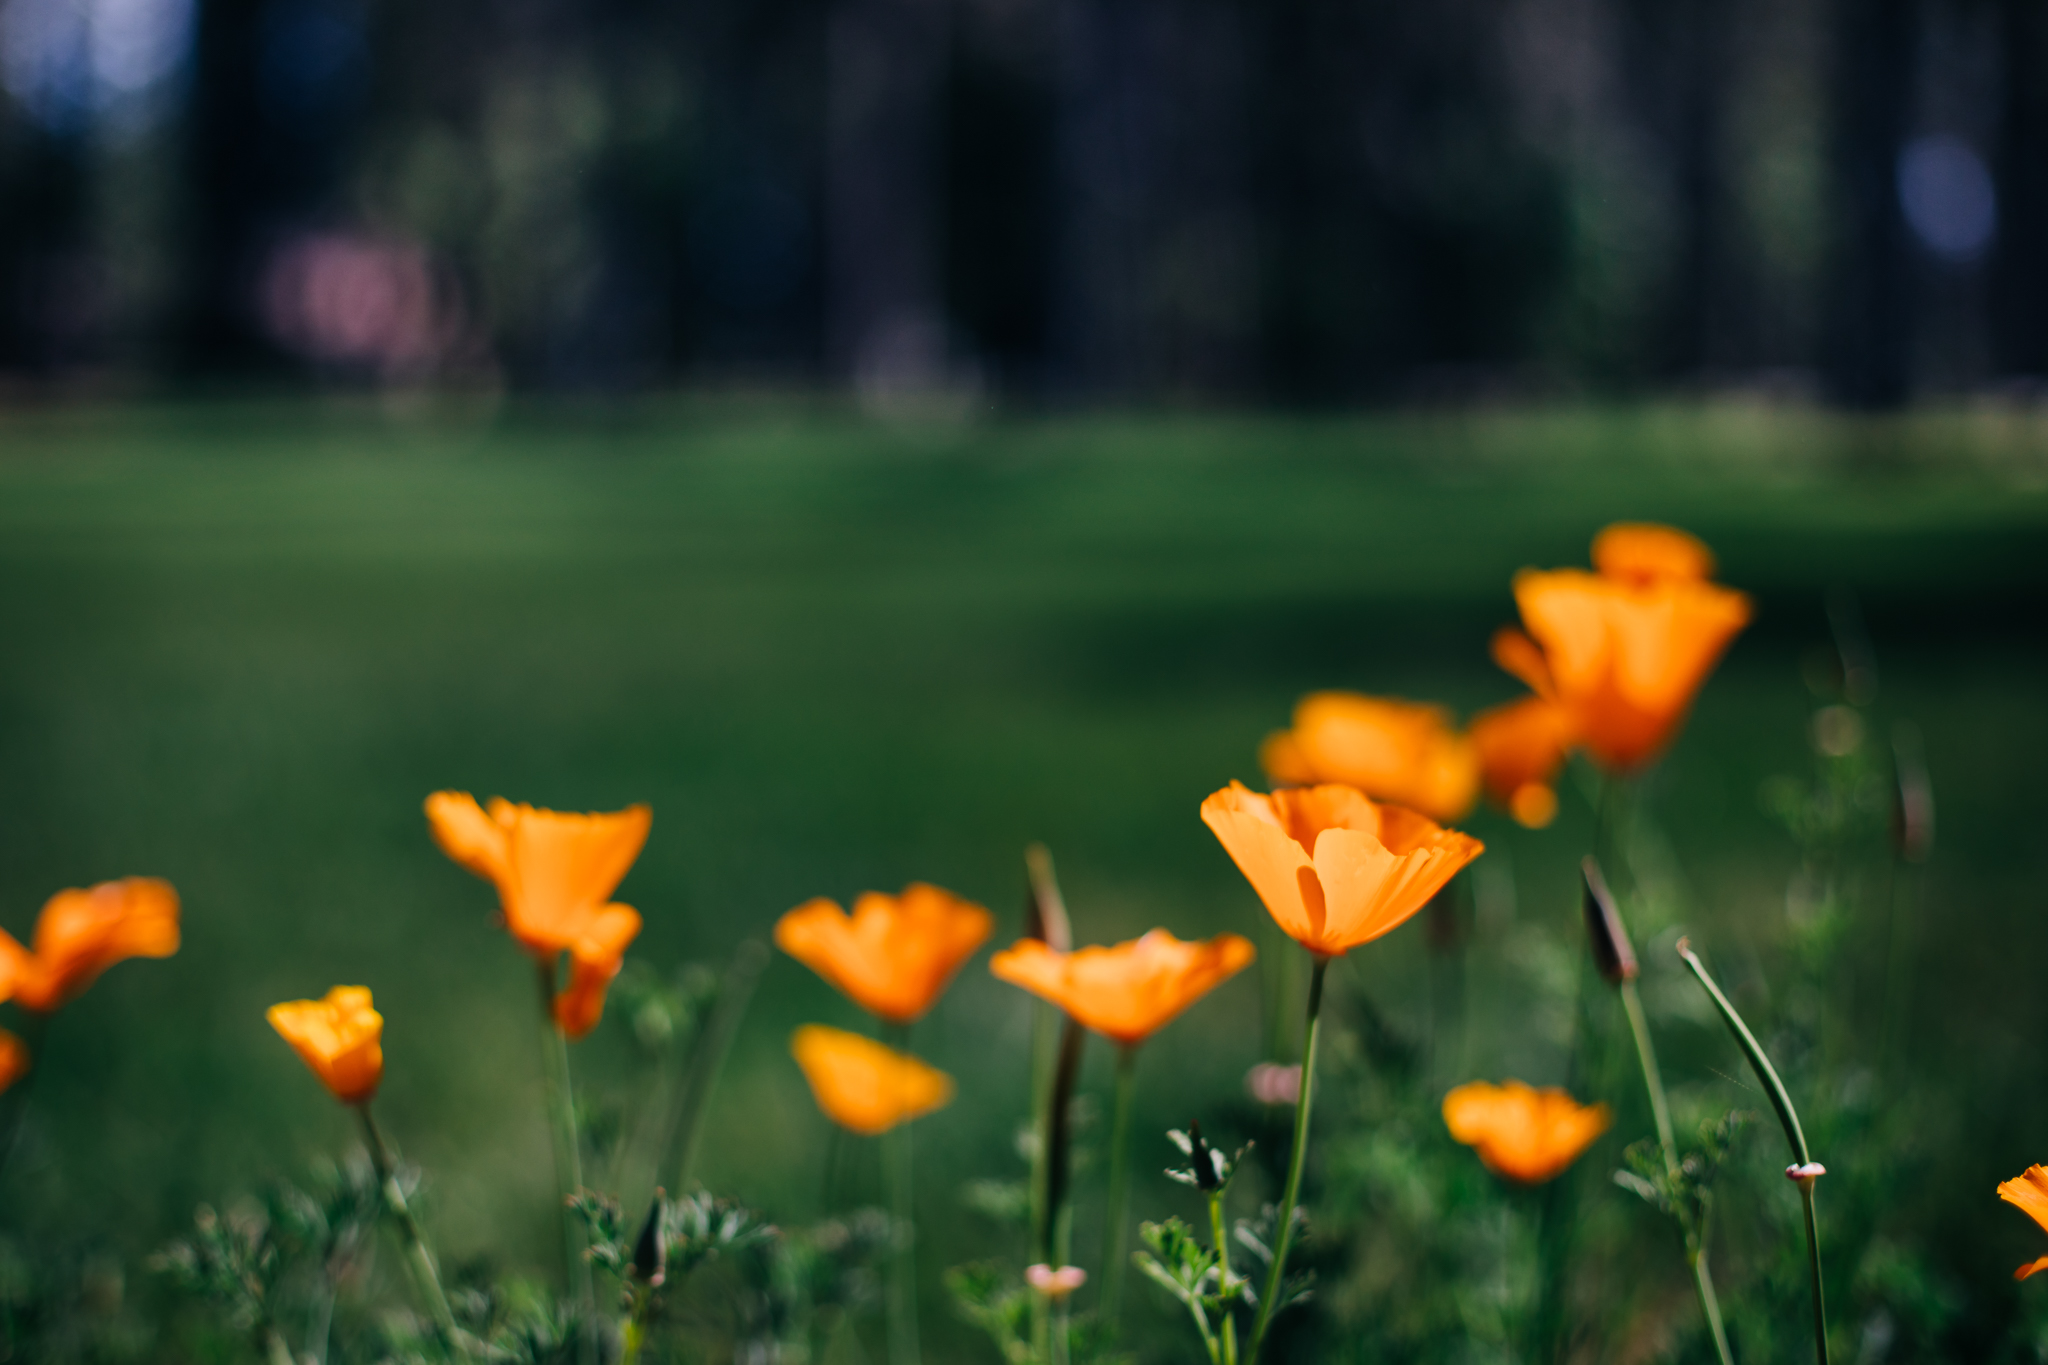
(1284, 1234)
(417, 1256)
(1788, 1118)
(1223, 1284)
(1660, 1111)
(1116, 1230)
(897, 1152)
(707, 1058)
(561, 1107)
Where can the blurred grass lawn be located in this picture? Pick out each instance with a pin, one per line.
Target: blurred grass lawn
(239, 644)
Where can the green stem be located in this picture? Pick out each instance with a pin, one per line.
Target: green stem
(897, 1154)
(1653, 1078)
(1788, 1118)
(1660, 1111)
(561, 1107)
(274, 1348)
(417, 1255)
(707, 1058)
(1057, 1249)
(1284, 1233)
(1116, 1232)
(1223, 1283)
(1820, 1310)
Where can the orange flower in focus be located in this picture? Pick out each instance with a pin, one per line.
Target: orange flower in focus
(14, 1060)
(1524, 1134)
(1625, 649)
(1399, 751)
(2029, 1191)
(1131, 991)
(555, 873)
(895, 954)
(82, 933)
(863, 1085)
(1521, 746)
(340, 1037)
(1334, 869)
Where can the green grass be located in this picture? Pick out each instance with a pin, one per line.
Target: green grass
(238, 646)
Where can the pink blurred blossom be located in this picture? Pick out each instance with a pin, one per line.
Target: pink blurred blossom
(1272, 1083)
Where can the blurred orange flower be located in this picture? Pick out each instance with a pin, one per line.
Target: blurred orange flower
(82, 933)
(555, 873)
(895, 954)
(863, 1085)
(1625, 649)
(1524, 1134)
(14, 1060)
(1392, 750)
(1521, 746)
(2029, 1191)
(1334, 869)
(340, 1037)
(1128, 992)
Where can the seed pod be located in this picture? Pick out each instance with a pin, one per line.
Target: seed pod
(1612, 953)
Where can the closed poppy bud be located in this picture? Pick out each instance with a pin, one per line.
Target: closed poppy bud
(1128, 992)
(650, 1250)
(82, 933)
(894, 955)
(1525, 1134)
(1613, 955)
(14, 1060)
(339, 1037)
(862, 1084)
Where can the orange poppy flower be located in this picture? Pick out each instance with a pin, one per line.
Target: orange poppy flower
(82, 933)
(1521, 746)
(1392, 750)
(894, 955)
(1129, 992)
(1625, 649)
(339, 1037)
(14, 1060)
(862, 1084)
(2029, 1191)
(555, 873)
(1524, 1134)
(1334, 869)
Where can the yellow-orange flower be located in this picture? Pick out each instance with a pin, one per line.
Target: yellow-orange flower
(2029, 1192)
(1131, 991)
(339, 1037)
(863, 1085)
(1524, 1134)
(555, 873)
(14, 1060)
(895, 954)
(1392, 750)
(1334, 869)
(1521, 746)
(82, 933)
(1625, 649)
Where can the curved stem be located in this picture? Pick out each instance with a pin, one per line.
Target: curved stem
(1710, 1303)
(1116, 1229)
(417, 1256)
(1653, 1078)
(707, 1059)
(897, 1153)
(1284, 1234)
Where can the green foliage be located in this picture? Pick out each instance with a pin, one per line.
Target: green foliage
(1686, 1195)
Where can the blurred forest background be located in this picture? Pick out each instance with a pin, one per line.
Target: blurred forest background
(1039, 200)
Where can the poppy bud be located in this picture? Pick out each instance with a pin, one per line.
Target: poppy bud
(1803, 1175)
(650, 1252)
(1612, 953)
(1045, 910)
